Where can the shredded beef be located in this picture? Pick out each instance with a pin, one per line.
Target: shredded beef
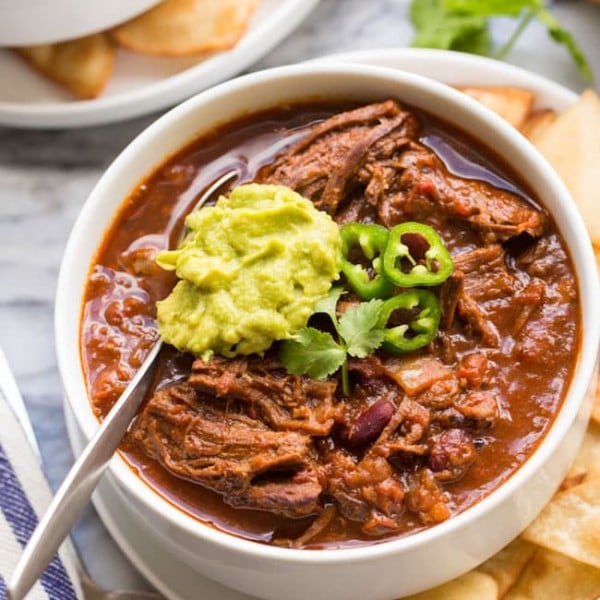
(376, 151)
(451, 291)
(426, 186)
(368, 492)
(284, 401)
(239, 457)
(323, 166)
(478, 320)
(426, 498)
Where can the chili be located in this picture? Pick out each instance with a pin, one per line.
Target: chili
(421, 326)
(419, 247)
(372, 240)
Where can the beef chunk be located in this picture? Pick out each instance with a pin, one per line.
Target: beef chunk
(211, 444)
(452, 454)
(479, 291)
(451, 291)
(426, 498)
(441, 394)
(486, 274)
(481, 407)
(375, 149)
(427, 186)
(474, 370)
(324, 164)
(284, 401)
(369, 492)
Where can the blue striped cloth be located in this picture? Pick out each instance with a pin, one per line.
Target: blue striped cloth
(24, 495)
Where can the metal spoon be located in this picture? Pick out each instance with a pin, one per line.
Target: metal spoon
(76, 490)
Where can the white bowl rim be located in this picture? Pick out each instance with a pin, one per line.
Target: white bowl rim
(153, 501)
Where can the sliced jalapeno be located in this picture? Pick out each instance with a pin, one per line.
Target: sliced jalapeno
(415, 255)
(371, 240)
(420, 315)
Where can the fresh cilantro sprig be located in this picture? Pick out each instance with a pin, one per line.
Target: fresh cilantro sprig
(464, 25)
(318, 354)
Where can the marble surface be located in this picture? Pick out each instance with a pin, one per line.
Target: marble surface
(46, 176)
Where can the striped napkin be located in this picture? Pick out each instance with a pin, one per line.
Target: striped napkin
(24, 496)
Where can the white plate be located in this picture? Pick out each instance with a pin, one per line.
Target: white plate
(176, 580)
(139, 84)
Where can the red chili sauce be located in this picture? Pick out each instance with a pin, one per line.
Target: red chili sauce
(488, 387)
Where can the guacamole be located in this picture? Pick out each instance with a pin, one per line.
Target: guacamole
(252, 269)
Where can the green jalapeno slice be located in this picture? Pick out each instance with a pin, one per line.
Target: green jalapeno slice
(370, 241)
(419, 311)
(415, 255)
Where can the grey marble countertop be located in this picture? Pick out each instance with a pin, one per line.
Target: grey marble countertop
(45, 177)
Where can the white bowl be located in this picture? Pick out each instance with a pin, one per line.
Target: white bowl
(381, 571)
(23, 23)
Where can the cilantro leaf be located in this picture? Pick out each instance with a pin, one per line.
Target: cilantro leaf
(464, 25)
(360, 329)
(562, 36)
(313, 352)
(327, 305)
(491, 8)
(318, 354)
(477, 42)
(437, 27)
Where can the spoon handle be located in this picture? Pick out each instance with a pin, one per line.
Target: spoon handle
(76, 490)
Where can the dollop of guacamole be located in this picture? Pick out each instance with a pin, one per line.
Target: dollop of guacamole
(252, 269)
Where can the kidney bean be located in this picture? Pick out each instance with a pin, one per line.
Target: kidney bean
(368, 425)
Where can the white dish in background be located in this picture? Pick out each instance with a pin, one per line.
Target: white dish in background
(457, 68)
(43, 21)
(139, 84)
(159, 564)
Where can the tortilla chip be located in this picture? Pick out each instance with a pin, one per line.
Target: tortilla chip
(551, 575)
(587, 462)
(536, 124)
(572, 146)
(596, 407)
(82, 65)
(512, 104)
(184, 27)
(570, 523)
(506, 565)
(470, 586)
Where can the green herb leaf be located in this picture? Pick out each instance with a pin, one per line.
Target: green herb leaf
(477, 42)
(562, 36)
(491, 8)
(360, 329)
(318, 355)
(464, 25)
(313, 352)
(327, 305)
(436, 27)
(525, 19)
